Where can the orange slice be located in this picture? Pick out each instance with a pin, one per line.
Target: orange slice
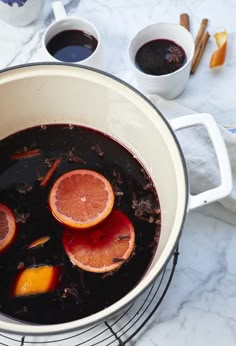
(36, 280)
(218, 57)
(7, 227)
(104, 248)
(81, 198)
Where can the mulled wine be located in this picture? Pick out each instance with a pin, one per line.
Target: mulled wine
(160, 57)
(72, 45)
(27, 157)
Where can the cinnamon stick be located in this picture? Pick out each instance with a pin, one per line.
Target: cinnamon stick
(50, 172)
(25, 154)
(184, 21)
(201, 31)
(199, 50)
(200, 44)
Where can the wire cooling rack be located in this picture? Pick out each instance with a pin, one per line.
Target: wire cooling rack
(116, 331)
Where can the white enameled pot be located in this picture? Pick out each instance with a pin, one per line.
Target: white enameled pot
(56, 93)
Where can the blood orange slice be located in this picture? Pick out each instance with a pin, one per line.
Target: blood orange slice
(81, 198)
(7, 227)
(103, 248)
(36, 280)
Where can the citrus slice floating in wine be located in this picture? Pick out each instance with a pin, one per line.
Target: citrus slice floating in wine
(105, 247)
(7, 227)
(36, 280)
(81, 198)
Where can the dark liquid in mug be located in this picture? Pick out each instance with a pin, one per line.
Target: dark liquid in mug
(72, 45)
(160, 57)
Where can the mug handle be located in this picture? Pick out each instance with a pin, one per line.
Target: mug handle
(218, 143)
(59, 10)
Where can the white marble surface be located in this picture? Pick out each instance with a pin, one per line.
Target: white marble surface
(200, 306)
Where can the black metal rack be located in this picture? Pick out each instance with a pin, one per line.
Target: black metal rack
(116, 331)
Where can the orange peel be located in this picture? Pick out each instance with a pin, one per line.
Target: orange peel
(38, 242)
(218, 57)
(36, 280)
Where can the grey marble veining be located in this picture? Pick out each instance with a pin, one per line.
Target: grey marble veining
(200, 306)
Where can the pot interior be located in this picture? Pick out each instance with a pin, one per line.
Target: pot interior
(43, 94)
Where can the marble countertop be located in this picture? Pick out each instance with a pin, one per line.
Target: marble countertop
(200, 305)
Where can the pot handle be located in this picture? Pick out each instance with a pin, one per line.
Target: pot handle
(218, 143)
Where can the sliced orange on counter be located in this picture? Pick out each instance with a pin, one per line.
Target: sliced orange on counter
(105, 247)
(36, 280)
(81, 198)
(218, 57)
(7, 227)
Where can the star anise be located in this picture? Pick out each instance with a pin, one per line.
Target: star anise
(142, 207)
(175, 55)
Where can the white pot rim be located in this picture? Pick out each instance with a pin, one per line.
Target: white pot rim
(32, 329)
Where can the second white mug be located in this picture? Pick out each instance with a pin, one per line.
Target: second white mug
(168, 85)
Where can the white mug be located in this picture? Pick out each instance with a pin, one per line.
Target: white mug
(20, 12)
(172, 84)
(64, 23)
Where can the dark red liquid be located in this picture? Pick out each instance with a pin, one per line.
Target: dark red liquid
(160, 57)
(72, 45)
(78, 147)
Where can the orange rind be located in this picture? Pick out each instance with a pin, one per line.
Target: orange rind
(38, 242)
(36, 280)
(218, 57)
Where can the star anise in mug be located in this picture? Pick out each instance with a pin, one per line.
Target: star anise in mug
(176, 55)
